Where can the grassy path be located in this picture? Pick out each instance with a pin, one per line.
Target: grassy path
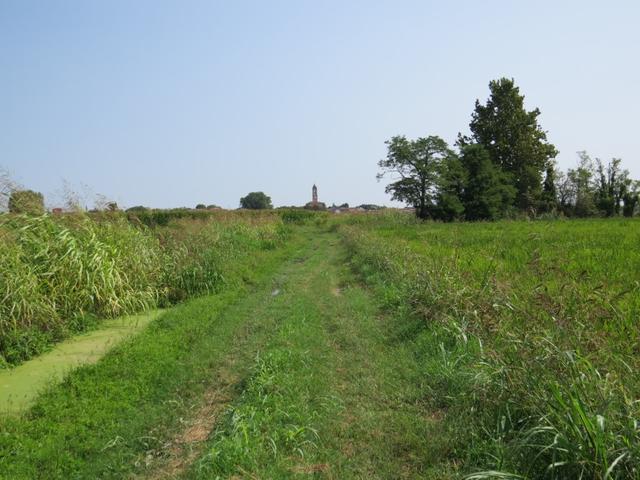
(297, 378)
(331, 395)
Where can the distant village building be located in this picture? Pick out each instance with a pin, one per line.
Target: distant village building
(314, 204)
(339, 208)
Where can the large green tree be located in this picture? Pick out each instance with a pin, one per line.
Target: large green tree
(488, 193)
(256, 201)
(417, 163)
(513, 138)
(452, 182)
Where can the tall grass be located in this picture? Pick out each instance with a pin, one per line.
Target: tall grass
(199, 257)
(59, 274)
(302, 216)
(528, 337)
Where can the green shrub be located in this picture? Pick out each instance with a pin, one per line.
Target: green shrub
(26, 201)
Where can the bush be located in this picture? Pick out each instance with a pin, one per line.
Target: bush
(26, 201)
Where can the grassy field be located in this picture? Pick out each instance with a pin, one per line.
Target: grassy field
(527, 333)
(293, 376)
(361, 346)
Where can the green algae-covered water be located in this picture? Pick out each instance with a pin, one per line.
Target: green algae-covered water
(20, 386)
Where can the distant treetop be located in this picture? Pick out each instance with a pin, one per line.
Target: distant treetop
(256, 201)
(137, 208)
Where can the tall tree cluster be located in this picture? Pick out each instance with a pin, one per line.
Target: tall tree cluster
(505, 166)
(596, 188)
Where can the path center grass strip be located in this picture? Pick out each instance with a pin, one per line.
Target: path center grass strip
(330, 396)
(272, 431)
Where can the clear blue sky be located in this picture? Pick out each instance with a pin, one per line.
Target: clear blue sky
(175, 103)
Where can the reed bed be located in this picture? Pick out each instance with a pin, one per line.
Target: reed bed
(61, 274)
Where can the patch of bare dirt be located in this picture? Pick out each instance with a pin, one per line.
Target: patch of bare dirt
(310, 469)
(187, 445)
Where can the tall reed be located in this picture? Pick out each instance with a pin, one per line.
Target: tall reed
(60, 274)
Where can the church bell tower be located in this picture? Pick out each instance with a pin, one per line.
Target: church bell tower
(314, 195)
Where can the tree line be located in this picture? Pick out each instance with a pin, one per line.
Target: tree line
(505, 167)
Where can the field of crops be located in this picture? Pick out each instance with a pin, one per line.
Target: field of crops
(526, 333)
(61, 274)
